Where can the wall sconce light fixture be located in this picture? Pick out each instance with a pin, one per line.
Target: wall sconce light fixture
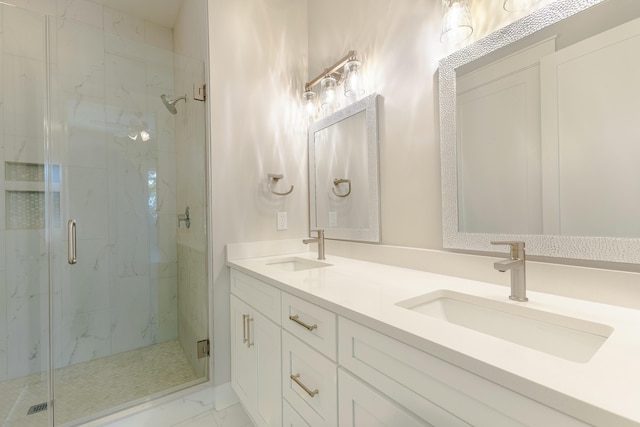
(352, 81)
(309, 98)
(328, 86)
(344, 71)
(456, 21)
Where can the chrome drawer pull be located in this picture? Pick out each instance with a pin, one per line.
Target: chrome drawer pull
(246, 330)
(304, 387)
(301, 323)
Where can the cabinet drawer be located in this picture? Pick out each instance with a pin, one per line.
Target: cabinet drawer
(257, 294)
(312, 324)
(290, 418)
(403, 371)
(318, 403)
(361, 406)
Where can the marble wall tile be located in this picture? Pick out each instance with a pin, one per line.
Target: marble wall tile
(87, 201)
(88, 289)
(163, 238)
(167, 309)
(23, 149)
(160, 270)
(3, 325)
(85, 132)
(128, 211)
(3, 253)
(27, 33)
(86, 336)
(124, 35)
(192, 303)
(23, 82)
(159, 73)
(131, 315)
(27, 301)
(81, 61)
(2, 74)
(83, 11)
(125, 88)
(166, 191)
(158, 36)
(43, 7)
(60, 272)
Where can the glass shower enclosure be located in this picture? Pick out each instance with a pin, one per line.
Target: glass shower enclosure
(103, 281)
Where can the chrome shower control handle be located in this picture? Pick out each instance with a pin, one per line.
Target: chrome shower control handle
(185, 217)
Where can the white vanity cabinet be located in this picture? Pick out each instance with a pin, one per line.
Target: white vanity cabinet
(297, 364)
(435, 390)
(256, 348)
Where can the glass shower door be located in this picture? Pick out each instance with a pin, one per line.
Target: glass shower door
(121, 331)
(85, 136)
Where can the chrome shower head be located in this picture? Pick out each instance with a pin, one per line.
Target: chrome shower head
(171, 103)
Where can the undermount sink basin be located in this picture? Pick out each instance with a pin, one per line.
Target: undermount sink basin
(566, 337)
(297, 264)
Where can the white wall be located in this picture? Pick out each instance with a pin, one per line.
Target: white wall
(258, 67)
(262, 44)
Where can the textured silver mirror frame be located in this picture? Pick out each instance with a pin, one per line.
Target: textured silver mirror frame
(369, 105)
(611, 249)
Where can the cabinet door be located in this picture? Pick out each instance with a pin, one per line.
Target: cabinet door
(244, 376)
(255, 363)
(361, 406)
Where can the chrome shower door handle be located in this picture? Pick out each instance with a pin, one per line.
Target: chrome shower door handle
(71, 237)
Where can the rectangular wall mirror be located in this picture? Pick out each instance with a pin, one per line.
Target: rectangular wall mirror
(539, 134)
(344, 192)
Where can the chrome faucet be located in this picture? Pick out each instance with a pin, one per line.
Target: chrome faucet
(320, 240)
(516, 263)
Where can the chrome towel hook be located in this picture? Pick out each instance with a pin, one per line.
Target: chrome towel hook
(337, 182)
(275, 178)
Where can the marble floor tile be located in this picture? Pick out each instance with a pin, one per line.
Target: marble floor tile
(233, 416)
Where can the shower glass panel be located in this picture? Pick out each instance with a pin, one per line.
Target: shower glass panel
(24, 254)
(86, 137)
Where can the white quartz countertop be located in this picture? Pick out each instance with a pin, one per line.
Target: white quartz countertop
(605, 391)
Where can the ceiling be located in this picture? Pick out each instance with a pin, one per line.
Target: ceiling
(163, 12)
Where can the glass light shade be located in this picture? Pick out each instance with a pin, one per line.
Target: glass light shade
(456, 21)
(328, 91)
(518, 5)
(352, 82)
(309, 98)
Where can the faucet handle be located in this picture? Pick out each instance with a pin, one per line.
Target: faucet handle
(517, 247)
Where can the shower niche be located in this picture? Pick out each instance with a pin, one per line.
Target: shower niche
(25, 201)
